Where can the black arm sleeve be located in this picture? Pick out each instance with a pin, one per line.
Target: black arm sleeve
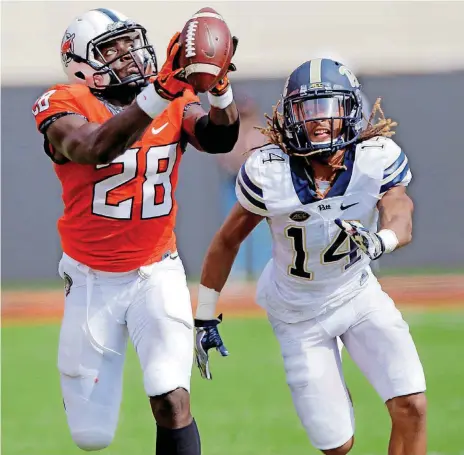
(216, 138)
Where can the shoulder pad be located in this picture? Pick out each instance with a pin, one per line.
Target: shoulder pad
(59, 100)
(250, 179)
(394, 162)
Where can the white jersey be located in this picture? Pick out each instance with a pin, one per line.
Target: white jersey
(314, 264)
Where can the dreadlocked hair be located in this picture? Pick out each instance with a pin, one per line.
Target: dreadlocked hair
(273, 129)
(383, 127)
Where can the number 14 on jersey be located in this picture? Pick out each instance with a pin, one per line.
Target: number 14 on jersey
(340, 248)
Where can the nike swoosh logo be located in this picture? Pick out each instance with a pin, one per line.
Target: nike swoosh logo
(158, 130)
(347, 206)
(211, 52)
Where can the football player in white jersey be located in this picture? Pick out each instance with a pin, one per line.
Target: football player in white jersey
(334, 196)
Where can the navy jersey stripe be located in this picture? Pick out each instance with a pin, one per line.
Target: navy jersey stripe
(398, 179)
(393, 167)
(249, 183)
(250, 198)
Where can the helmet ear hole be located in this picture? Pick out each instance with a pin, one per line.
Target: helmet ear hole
(80, 75)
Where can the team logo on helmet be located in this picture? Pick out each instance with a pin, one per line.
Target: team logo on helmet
(67, 48)
(344, 71)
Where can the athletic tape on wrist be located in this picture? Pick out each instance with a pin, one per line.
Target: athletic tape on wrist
(150, 102)
(207, 301)
(389, 238)
(221, 102)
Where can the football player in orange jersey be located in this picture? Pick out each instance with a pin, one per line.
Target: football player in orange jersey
(116, 135)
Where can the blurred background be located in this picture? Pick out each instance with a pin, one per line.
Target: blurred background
(409, 53)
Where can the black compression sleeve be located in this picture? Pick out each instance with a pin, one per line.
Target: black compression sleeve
(216, 138)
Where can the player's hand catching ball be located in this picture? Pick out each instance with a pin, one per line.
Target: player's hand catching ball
(369, 242)
(171, 83)
(207, 337)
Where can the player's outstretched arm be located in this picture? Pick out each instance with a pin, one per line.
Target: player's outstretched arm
(216, 131)
(395, 210)
(223, 249)
(216, 269)
(91, 143)
(213, 132)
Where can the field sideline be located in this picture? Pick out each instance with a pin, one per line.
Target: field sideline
(237, 299)
(246, 409)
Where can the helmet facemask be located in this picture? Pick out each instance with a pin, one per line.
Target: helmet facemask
(105, 69)
(320, 123)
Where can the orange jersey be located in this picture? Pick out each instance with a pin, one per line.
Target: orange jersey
(118, 216)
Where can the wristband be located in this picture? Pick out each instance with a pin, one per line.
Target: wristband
(207, 300)
(222, 101)
(150, 102)
(389, 239)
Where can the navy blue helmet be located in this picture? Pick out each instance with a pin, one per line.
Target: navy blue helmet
(322, 108)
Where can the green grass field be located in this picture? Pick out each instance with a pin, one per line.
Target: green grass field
(245, 410)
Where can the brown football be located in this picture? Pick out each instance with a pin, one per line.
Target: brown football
(206, 49)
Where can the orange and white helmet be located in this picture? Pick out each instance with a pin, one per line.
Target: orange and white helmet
(82, 60)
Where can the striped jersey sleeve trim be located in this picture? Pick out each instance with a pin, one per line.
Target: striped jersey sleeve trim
(396, 172)
(249, 183)
(250, 198)
(405, 174)
(395, 165)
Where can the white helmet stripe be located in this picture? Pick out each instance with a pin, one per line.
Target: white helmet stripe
(315, 71)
